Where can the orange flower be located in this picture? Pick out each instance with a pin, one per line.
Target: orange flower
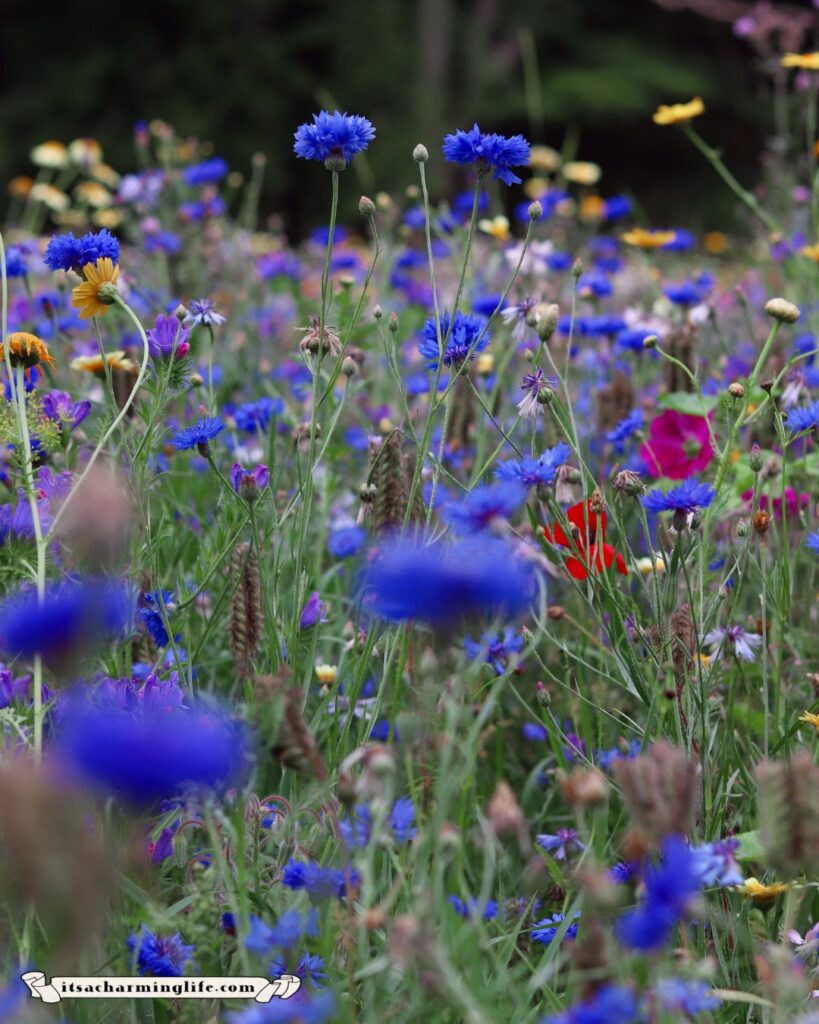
(648, 239)
(26, 350)
(803, 61)
(98, 290)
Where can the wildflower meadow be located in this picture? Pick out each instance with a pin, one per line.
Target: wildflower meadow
(424, 610)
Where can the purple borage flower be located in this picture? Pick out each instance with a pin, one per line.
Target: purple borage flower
(313, 611)
(168, 337)
(488, 152)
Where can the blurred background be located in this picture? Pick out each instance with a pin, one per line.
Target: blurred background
(582, 76)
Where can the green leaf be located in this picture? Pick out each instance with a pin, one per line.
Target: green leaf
(689, 403)
(750, 846)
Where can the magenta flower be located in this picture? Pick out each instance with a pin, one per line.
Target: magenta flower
(678, 445)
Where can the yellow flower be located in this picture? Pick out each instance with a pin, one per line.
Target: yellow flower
(592, 208)
(70, 219)
(107, 218)
(26, 350)
(50, 196)
(93, 193)
(497, 227)
(106, 174)
(485, 362)
(534, 188)
(93, 296)
(49, 154)
(544, 158)
(715, 242)
(651, 238)
(326, 674)
(810, 718)
(805, 61)
(94, 364)
(581, 172)
(648, 565)
(811, 251)
(677, 113)
(762, 895)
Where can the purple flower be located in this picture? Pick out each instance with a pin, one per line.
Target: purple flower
(249, 483)
(562, 843)
(168, 337)
(208, 172)
(57, 406)
(545, 930)
(733, 639)
(162, 958)
(203, 312)
(466, 336)
(313, 611)
(534, 385)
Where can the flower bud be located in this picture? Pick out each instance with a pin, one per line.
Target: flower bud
(651, 341)
(548, 321)
(542, 695)
(755, 458)
(577, 268)
(535, 210)
(420, 154)
(180, 312)
(782, 310)
(335, 162)
(378, 312)
(349, 367)
(366, 207)
(736, 390)
(392, 323)
(762, 521)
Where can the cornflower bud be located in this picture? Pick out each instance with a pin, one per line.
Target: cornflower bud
(755, 458)
(535, 210)
(736, 390)
(366, 207)
(420, 154)
(392, 323)
(782, 310)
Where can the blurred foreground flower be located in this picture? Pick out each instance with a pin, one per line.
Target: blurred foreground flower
(440, 583)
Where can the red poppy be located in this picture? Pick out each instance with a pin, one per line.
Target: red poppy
(588, 539)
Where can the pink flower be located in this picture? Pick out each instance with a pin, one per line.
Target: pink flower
(678, 445)
(793, 502)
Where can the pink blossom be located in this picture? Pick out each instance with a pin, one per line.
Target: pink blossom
(678, 445)
(793, 502)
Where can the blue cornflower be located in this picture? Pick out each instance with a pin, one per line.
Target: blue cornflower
(684, 995)
(562, 843)
(467, 337)
(632, 338)
(162, 958)
(805, 417)
(812, 541)
(333, 137)
(202, 312)
(496, 649)
(199, 435)
(670, 885)
(616, 208)
(310, 967)
(626, 428)
(535, 731)
(65, 252)
(464, 908)
(439, 583)
(685, 499)
(346, 541)
(72, 617)
(545, 930)
(683, 241)
(16, 265)
(150, 611)
(402, 820)
(153, 755)
(609, 1005)
(255, 416)
(305, 1007)
(625, 871)
(484, 504)
(686, 294)
(716, 863)
(488, 152)
(208, 172)
(318, 882)
(532, 471)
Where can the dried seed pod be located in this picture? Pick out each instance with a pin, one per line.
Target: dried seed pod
(788, 808)
(295, 745)
(660, 790)
(683, 641)
(246, 614)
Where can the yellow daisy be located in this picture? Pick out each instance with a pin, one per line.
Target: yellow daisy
(804, 61)
(497, 227)
(677, 113)
(485, 363)
(26, 350)
(93, 193)
(651, 238)
(762, 895)
(811, 251)
(648, 565)
(96, 293)
(85, 152)
(326, 674)
(715, 242)
(810, 719)
(50, 196)
(94, 364)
